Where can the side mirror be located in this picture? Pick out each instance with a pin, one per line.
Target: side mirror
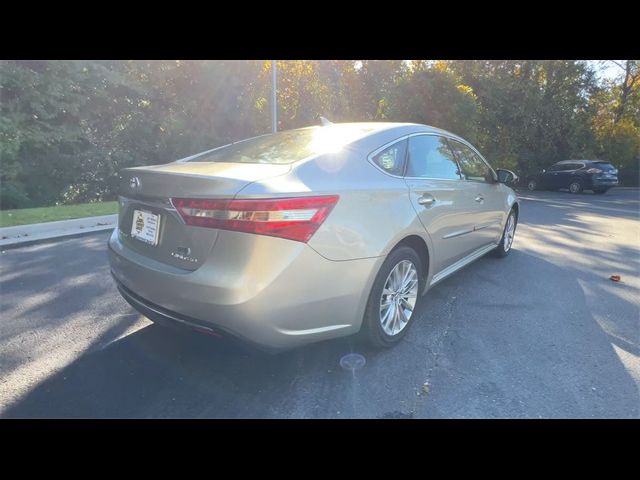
(506, 176)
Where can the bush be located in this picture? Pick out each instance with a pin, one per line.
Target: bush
(13, 196)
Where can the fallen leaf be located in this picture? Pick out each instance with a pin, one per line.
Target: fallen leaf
(615, 278)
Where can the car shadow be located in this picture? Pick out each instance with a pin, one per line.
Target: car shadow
(511, 348)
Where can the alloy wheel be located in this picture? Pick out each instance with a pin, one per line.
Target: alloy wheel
(509, 233)
(398, 298)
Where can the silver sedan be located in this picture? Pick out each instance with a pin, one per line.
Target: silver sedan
(308, 234)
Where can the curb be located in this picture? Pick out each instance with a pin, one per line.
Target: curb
(28, 234)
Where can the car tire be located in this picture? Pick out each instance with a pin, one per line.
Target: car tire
(379, 323)
(575, 186)
(600, 191)
(532, 185)
(500, 250)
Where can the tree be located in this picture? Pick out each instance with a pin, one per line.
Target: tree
(432, 95)
(628, 90)
(531, 113)
(68, 127)
(615, 124)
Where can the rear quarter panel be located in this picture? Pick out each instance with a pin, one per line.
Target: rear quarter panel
(373, 213)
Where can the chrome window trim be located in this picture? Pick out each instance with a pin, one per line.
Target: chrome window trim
(406, 137)
(382, 148)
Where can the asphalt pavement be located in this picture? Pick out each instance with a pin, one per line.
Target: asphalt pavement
(542, 333)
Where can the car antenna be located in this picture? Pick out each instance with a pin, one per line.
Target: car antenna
(325, 122)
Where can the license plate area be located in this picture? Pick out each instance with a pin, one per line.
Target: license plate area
(145, 227)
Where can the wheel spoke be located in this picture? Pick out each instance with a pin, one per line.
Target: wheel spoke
(392, 280)
(408, 280)
(407, 305)
(398, 276)
(402, 318)
(396, 320)
(390, 313)
(407, 274)
(409, 286)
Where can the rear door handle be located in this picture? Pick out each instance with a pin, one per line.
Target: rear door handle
(426, 200)
(479, 199)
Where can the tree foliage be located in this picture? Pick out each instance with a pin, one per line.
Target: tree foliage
(68, 127)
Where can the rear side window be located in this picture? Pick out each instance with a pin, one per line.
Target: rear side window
(391, 159)
(430, 156)
(605, 167)
(473, 167)
(286, 147)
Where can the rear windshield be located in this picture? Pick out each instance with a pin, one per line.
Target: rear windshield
(286, 147)
(605, 167)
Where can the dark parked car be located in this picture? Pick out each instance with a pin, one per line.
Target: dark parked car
(576, 175)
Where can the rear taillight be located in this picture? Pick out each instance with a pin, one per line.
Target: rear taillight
(594, 170)
(292, 218)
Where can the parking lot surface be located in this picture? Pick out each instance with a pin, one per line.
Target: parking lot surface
(543, 333)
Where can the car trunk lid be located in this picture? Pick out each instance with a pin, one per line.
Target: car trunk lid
(607, 171)
(147, 191)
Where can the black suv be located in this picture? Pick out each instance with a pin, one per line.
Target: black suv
(576, 175)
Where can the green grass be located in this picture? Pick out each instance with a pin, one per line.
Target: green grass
(26, 216)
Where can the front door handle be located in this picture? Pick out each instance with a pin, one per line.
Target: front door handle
(426, 200)
(479, 199)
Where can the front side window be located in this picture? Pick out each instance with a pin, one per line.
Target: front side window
(567, 167)
(391, 159)
(473, 167)
(430, 156)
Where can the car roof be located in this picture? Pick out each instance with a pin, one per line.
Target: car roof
(401, 128)
(385, 125)
(378, 126)
(583, 161)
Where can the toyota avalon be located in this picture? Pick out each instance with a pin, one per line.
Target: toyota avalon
(308, 234)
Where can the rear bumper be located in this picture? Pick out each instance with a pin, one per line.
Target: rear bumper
(604, 183)
(279, 295)
(161, 315)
